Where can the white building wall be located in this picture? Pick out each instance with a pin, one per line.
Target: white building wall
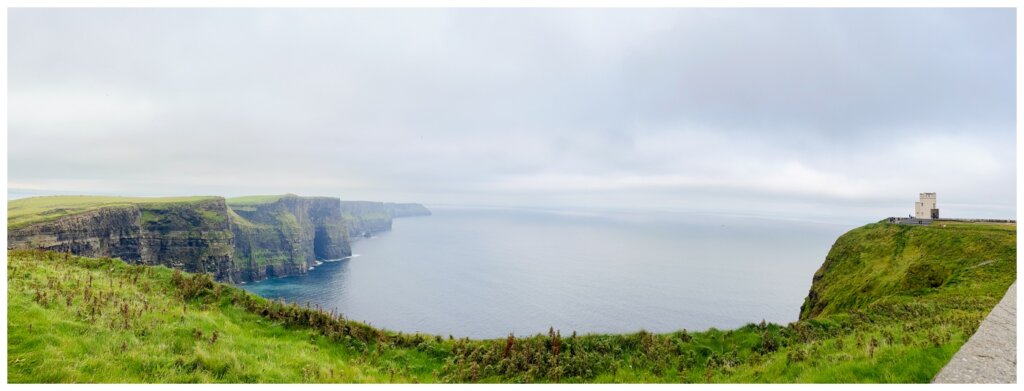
(923, 208)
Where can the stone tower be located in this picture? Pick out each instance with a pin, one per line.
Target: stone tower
(925, 208)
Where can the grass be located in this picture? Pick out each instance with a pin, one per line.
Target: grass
(27, 211)
(900, 261)
(82, 320)
(238, 220)
(256, 199)
(260, 200)
(867, 319)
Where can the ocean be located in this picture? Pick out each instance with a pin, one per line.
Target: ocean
(488, 272)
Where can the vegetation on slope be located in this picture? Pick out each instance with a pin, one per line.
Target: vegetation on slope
(84, 320)
(887, 264)
(253, 237)
(256, 199)
(244, 201)
(265, 235)
(27, 211)
(118, 323)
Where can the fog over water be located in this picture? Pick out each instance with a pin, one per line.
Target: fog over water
(484, 273)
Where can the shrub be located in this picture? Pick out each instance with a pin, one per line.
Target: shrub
(191, 286)
(925, 275)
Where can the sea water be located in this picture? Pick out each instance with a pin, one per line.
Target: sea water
(485, 273)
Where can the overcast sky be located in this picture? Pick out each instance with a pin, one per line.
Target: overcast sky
(789, 112)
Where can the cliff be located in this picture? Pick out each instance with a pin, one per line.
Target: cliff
(190, 234)
(240, 239)
(396, 210)
(284, 235)
(883, 264)
(364, 218)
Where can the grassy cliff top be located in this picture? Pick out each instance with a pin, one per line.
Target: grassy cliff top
(888, 264)
(27, 211)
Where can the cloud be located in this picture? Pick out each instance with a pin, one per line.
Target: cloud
(774, 110)
(68, 110)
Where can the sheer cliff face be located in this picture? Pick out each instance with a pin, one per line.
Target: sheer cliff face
(191, 236)
(114, 232)
(363, 218)
(286, 236)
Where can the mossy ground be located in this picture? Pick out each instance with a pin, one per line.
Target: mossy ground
(74, 319)
(28, 211)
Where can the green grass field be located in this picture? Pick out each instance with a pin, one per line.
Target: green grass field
(27, 211)
(890, 304)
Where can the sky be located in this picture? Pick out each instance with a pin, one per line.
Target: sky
(834, 113)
